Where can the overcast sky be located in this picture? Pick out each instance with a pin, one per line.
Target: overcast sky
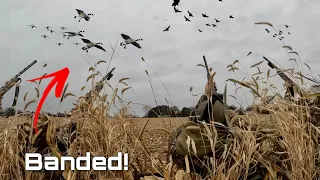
(173, 55)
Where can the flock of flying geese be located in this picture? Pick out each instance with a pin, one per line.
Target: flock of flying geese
(190, 15)
(89, 44)
(279, 34)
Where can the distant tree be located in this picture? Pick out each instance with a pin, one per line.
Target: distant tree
(146, 109)
(160, 111)
(175, 110)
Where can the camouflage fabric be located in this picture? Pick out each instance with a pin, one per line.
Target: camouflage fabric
(203, 109)
(178, 145)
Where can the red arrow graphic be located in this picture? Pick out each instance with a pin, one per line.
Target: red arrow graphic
(59, 77)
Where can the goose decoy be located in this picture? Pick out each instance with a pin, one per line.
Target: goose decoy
(91, 44)
(267, 30)
(199, 30)
(190, 14)
(129, 40)
(63, 28)
(47, 27)
(59, 43)
(72, 34)
(216, 20)
(167, 29)
(83, 15)
(231, 17)
(213, 25)
(205, 16)
(51, 31)
(45, 36)
(286, 26)
(176, 10)
(208, 24)
(33, 26)
(175, 2)
(186, 19)
(76, 44)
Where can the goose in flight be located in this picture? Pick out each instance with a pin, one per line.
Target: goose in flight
(72, 34)
(199, 30)
(267, 30)
(63, 28)
(216, 20)
(205, 16)
(286, 26)
(190, 14)
(167, 29)
(129, 40)
(231, 17)
(186, 19)
(47, 27)
(91, 44)
(213, 25)
(59, 43)
(51, 31)
(33, 26)
(45, 36)
(76, 44)
(176, 10)
(175, 2)
(208, 24)
(83, 15)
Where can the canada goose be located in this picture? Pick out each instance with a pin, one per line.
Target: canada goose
(208, 24)
(267, 30)
(190, 14)
(72, 34)
(32, 26)
(167, 29)
(51, 31)
(63, 28)
(176, 10)
(129, 40)
(83, 15)
(286, 26)
(76, 44)
(199, 30)
(175, 2)
(45, 36)
(47, 27)
(91, 44)
(231, 17)
(216, 20)
(186, 19)
(205, 16)
(213, 25)
(59, 43)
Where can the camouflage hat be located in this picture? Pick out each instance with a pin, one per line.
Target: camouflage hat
(196, 134)
(204, 111)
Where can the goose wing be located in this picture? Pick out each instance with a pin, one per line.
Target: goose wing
(99, 47)
(136, 45)
(70, 33)
(80, 12)
(86, 40)
(125, 37)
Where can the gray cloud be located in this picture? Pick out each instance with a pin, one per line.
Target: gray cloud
(173, 55)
